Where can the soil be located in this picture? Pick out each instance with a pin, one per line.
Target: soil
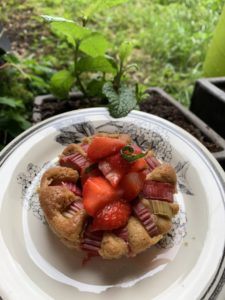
(156, 105)
(25, 29)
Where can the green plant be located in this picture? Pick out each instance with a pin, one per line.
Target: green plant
(214, 65)
(13, 111)
(92, 69)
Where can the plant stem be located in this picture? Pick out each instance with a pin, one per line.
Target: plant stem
(8, 65)
(117, 79)
(76, 72)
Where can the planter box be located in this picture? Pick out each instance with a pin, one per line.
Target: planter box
(158, 103)
(208, 102)
(187, 120)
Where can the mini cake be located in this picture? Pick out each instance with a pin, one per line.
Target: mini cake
(108, 197)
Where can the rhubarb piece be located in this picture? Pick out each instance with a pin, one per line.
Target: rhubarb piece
(91, 241)
(146, 219)
(74, 207)
(75, 161)
(114, 168)
(72, 187)
(122, 233)
(152, 162)
(158, 190)
(158, 207)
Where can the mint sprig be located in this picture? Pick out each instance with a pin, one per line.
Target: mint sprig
(121, 102)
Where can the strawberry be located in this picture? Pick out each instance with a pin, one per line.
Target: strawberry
(114, 168)
(138, 165)
(97, 192)
(132, 184)
(102, 146)
(112, 216)
(87, 174)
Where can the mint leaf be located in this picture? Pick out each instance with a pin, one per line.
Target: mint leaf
(72, 31)
(11, 102)
(101, 5)
(121, 103)
(95, 64)
(95, 45)
(94, 88)
(125, 50)
(55, 19)
(61, 83)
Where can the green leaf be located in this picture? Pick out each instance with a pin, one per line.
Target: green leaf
(214, 65)
(94, 88)
(72, 31)
(95, 64)
(55, 19)
(11, 58)
(121, 103)
(125, 50)
(101, 5)
(61, 83)
(11, 102)
(95, 45)
(24, 124)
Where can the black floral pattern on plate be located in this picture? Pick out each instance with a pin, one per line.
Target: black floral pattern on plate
(145, 138)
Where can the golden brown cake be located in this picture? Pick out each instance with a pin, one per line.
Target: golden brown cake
(108, 197)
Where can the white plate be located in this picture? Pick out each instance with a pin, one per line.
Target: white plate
(188, 264)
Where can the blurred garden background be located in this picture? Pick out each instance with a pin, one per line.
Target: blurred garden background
(171, 40)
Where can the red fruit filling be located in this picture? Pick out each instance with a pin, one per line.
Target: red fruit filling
(102, 146)
(112, 216)
(97, 192)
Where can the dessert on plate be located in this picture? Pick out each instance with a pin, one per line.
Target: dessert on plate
(108, 197)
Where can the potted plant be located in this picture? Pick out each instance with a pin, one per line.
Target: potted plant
(208, 102)
(98, 77)
(102, 79)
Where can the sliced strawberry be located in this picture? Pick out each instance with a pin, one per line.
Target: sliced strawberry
(112, 216)
(85, 174)
(138, 165)
(97, 192)
(132, 184)
(102, 146)
(114, 168)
